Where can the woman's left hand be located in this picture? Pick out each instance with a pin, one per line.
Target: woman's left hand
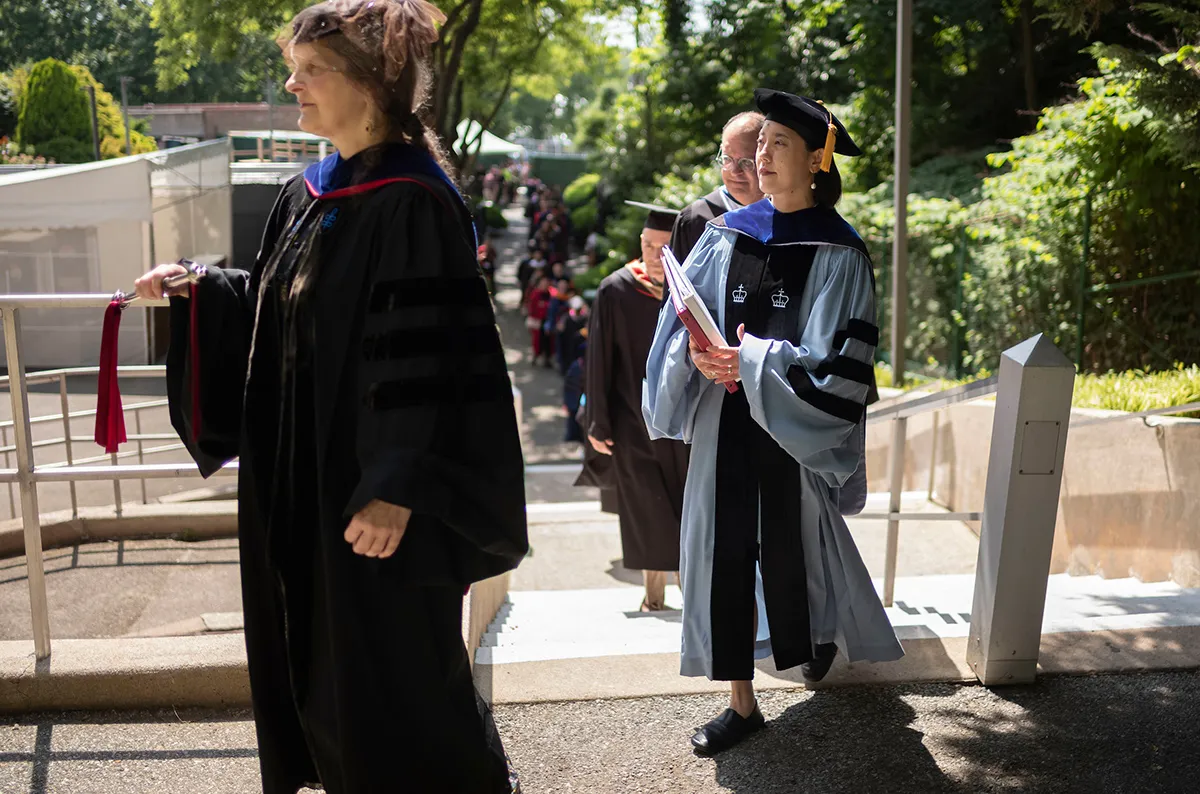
(377, 529)
(721, 364)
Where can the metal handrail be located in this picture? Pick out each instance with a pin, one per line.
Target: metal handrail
(51, 375)
(27, 474)
(898, 413)
(65, 301)
(1171, 409)
(936, 401)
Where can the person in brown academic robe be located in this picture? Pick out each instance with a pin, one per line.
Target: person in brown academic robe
(649, 475)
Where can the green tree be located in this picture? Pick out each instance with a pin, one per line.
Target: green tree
(11, 87)
(1161, 61)
(475, 64)
(552, 39)
(110, 121)
(53, 108)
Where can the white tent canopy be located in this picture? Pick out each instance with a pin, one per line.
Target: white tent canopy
(94, 228)
(491, 144)
(77, 196)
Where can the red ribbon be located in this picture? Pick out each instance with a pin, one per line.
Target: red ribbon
(110, 417)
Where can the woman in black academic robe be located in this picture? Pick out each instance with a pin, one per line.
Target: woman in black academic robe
(357, 373)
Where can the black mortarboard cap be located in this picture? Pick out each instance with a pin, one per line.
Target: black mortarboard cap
(808, 117)
(658, 218)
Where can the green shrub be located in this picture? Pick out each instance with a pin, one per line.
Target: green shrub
(11, 154)
(111, 122)
(1020, 242)
(1139, 391)
(1131, 391)
(65, 150)
(495, 218)
(583, 219)
(581, 191)
(591, 278)
(9, 106)
(53, 108)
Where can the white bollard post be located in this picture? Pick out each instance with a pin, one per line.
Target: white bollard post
(1029, 439)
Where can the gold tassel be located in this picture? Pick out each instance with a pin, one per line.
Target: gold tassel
(830, 141)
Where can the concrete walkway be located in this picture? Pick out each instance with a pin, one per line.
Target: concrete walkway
(1130, 733)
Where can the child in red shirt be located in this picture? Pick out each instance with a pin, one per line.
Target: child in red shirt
(536, 308)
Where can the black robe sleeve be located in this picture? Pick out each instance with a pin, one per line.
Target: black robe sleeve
(225, 301)
(600, 366)
(437, 429)
(684, 234)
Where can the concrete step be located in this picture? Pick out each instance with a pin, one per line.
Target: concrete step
(579, 644)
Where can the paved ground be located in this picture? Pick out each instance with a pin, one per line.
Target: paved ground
(1130, 733)
(127, 587)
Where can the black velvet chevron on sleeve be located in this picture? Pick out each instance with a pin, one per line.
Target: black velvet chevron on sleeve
(843, 366)
(437, 430)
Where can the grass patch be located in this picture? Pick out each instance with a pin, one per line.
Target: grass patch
(1131, 391)
(1139, 391)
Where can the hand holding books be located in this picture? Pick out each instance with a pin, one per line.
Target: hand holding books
(718, 365)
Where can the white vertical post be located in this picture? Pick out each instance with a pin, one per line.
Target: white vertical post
(896, 475)
(30, 518)
(1029, 439)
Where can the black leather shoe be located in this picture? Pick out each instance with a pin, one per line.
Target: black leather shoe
(726, 731)
(818, 668)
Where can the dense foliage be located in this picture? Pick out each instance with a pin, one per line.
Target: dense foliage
(1002, 196)
(55, 115)
(52, 107)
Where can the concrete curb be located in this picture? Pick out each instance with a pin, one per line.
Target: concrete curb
(186, 521)
(208, 671)
(926, 660)
(162, 672)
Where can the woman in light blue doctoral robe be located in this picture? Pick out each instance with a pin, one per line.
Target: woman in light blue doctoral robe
(762, 530)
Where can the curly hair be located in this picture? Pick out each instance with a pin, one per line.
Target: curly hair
(386, 47)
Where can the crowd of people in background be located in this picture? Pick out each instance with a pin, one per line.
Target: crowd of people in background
(555, 312)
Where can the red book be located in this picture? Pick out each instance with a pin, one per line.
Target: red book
(691, 310)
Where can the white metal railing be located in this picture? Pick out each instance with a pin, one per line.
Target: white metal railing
(27, 474)
(898, 413)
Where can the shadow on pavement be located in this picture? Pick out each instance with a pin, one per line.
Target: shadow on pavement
(1099, 733)
(1087, 734)
(44, 755)
(836, 741)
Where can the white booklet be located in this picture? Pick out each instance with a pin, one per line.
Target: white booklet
(687, 303)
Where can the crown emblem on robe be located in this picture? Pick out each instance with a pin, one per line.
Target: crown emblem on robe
(739, 294)
(780, 299)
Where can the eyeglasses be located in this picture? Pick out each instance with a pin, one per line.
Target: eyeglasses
(727, 163)
(304, 72)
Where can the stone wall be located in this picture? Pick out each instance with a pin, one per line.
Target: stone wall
(1130, 501)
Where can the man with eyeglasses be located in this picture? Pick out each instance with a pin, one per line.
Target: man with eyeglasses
(739, 139)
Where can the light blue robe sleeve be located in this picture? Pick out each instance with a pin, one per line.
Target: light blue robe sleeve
(811, 398)
(672, 388)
